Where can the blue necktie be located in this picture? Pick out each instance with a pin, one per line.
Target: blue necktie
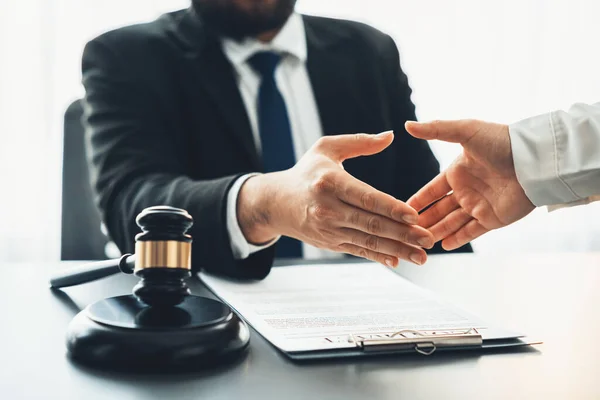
(275, 132)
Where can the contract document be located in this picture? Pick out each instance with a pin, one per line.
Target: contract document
(333, 310)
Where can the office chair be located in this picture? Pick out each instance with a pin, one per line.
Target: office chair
(82, 237)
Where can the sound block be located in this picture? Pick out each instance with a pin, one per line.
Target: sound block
(126, 334)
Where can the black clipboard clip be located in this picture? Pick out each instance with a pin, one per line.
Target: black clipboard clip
(424, 342)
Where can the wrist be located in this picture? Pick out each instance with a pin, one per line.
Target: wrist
(255, 210)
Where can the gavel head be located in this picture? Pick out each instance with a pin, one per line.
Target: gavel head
(163, 255)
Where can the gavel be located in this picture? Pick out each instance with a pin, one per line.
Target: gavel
(161, 326)
(162, 259)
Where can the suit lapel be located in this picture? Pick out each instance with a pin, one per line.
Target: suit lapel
(216, 75)
(209, 69)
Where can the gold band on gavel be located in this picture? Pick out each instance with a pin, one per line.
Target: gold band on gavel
(163, 254)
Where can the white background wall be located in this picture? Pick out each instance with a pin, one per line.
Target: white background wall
(495, 60)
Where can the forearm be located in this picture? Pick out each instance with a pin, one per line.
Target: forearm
(557, 155)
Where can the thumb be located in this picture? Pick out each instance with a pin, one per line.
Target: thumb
(449, 131)
(343, 147)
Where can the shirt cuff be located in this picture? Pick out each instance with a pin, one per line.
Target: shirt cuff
(535, 143)
(581, 202)
(240, 247)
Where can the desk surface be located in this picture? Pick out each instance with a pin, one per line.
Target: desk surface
(551, 297)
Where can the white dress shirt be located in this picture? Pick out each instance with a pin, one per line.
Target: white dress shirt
(557, 156)
(293, 82)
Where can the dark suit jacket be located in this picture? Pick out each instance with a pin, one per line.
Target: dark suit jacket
(167, 125)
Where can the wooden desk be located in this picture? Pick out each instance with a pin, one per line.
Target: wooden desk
(554, 297)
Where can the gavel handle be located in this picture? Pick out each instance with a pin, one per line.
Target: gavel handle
(92, 271)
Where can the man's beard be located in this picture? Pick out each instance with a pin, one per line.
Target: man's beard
(225, 18)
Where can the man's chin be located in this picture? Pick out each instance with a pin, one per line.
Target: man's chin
(228, 21)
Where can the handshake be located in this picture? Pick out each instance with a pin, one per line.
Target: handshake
(316, 201)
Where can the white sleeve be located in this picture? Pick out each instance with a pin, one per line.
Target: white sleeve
(239, 245)
(557, 156)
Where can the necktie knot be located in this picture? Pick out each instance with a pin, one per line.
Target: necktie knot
(264, 63)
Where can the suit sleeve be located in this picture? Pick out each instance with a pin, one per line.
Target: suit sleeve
(137, 161)
(416, 163)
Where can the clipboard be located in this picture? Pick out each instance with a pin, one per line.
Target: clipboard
(424, 343)
(342, 310)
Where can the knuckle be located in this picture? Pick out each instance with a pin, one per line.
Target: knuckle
(389, 211)
(324, 183)
(319, 212)
(347, 191)
(395, 212)
(374, 225)
(355, 218)
(372, 242)
(368, 201)
(322, 143)
(403, 236)
(363, 253)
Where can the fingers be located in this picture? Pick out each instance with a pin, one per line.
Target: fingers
(450, 224)
(437, 188)
(449, 131)
(470, 231)
(385, 246)
(438, 211)
(343, 147)
(383, 227)
(358, 251)
(358, 194)
(373, 227)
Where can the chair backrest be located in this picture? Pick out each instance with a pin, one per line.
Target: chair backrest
(82, 237)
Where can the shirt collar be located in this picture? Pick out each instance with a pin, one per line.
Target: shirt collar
(290, 40)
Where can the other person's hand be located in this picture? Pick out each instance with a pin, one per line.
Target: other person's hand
(479, 191)
(316, 201)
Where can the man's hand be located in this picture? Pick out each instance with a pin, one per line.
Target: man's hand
(319, 203)
(485, 193)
